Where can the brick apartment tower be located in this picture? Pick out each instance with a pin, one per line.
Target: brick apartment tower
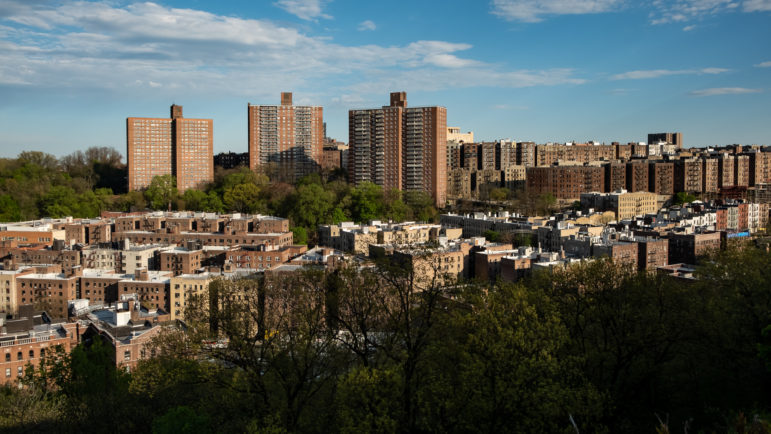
(399, 147)
(289, 136)
(671, 138)
(169, 146)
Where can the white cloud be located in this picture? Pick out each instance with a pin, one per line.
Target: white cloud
(531, 11)
(757, 5)
(367, 25)
(656, 73)
(764, 64)
(146, 47)
(689, 28)
(724, 91)
(677, 11)
(304, 9)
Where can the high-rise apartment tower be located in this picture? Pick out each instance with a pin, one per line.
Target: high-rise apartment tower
(671, 138)
(400, 147)
(169, 146)
(288, 136)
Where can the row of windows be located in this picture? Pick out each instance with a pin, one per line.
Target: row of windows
(19, 355)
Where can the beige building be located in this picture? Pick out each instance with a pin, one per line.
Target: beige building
(183, 287)
(624, 204)
(8, 303)
(454, 135)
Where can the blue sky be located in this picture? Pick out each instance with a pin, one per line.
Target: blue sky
(550, 70)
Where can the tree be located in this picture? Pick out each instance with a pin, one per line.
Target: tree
(498, 368)
(162, 192)
(182, 420)
(197, 200)
(243, 198)
(491, 235)
(499, 194)
(311, 206)
(366, 202)
(682, 198)
(422, 206)
(300, 235)
(9, 209)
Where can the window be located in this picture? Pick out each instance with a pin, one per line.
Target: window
(18, 356)
(127, 356)
(31, 354)
(42, 352)
(7, 372)
(7, 357)
(20, 371)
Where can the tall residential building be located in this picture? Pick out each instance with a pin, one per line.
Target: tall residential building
(671, 138)
(169, 146)
(290, 137)
(399, 147)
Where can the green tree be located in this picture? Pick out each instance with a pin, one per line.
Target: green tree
(422, 206)
(499, 368)
(182, 420)
(162, 192)
(197, 200)
(311, 206)
(491, 235)
(300, 235)
(243, 198)
(499, 194)
(682, 198)
(366, 202)
(59, 201)
(9, 209)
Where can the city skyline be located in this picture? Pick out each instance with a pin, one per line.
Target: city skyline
(504, 69)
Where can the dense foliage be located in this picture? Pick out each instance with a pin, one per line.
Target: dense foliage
(593, 348)
(36, 185)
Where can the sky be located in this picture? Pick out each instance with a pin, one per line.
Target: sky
(71, 72)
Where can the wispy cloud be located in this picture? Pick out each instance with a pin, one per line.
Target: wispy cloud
(531, 11)
(764, 64)
(308, 10)
(148, 47)
(656, 73)
(724, 91)
(679, 11)
(367, 25)
(756, 5)
(689, 28)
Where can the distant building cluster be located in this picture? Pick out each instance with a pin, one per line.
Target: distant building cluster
(413, 149)
(568, 170)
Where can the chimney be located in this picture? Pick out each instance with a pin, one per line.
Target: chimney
(286, 98)
(141, 274)
(398, 99)
(176, 111)
(75, 271)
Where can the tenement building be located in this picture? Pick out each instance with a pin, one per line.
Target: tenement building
(400, 147)
(169, 146)
(288, 136)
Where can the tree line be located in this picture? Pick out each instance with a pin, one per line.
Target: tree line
(595, 347)
(84, 184)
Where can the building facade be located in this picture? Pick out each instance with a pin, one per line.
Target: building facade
(400, 147)
(174, 146)
(287, 136)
